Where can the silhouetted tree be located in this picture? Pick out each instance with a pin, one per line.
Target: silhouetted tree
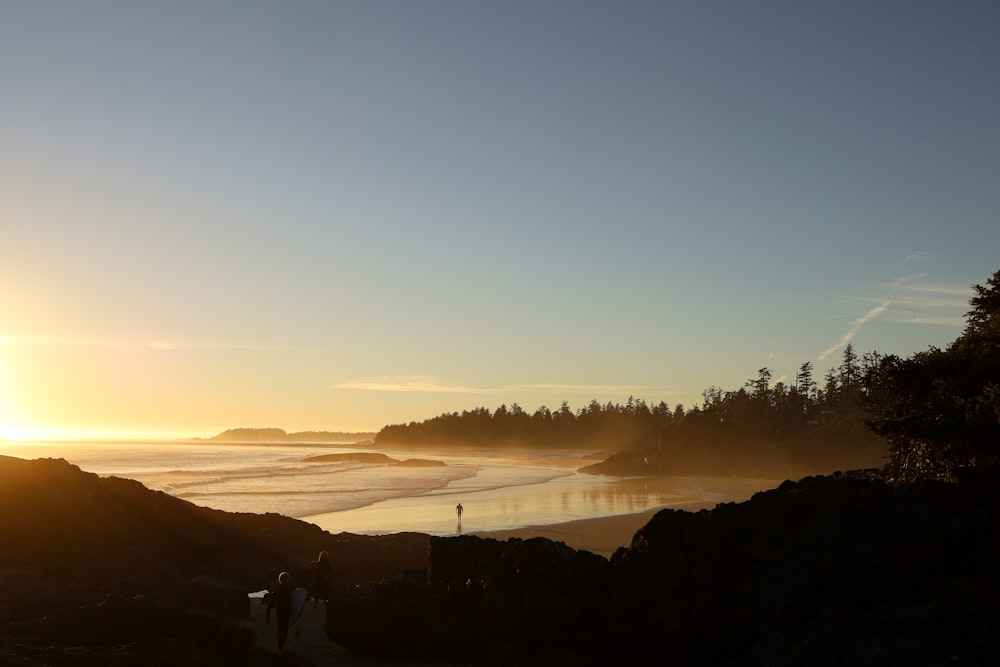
(804, 384)
(940, 409)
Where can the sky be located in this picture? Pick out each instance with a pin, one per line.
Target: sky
(342, 215)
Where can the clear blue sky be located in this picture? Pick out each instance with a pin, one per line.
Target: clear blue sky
(347, 214)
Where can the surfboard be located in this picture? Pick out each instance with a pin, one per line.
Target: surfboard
(299, 597)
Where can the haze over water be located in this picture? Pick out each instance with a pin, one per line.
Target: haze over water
(498, 489)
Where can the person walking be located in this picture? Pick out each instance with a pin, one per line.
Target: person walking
(322, 578)
(458, 510)
(281, 601)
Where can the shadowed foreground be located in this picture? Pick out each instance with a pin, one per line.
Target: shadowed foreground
(104, 571)
(828, 570)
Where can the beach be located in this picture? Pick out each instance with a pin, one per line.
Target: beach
(344, 488)
(604, 535)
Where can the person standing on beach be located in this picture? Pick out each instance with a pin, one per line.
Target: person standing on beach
(458, 510)
(281, 600)
(322, 577)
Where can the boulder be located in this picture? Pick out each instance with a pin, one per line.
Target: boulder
(216, 595)
(483, 597)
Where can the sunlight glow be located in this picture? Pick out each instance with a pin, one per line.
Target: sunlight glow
(5, 431)
(108, 434)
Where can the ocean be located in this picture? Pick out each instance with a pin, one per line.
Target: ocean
(498, 489)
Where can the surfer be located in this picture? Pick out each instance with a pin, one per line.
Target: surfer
(322, 575)
(281, 600)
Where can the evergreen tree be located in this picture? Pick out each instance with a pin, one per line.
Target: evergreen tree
(804, 383)
(940, 409)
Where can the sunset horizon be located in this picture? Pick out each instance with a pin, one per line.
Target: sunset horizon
(333, 217)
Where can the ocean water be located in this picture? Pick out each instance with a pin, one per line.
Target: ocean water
(498, 489)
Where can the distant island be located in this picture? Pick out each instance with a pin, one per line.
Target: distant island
(280, 435)
(373, 457)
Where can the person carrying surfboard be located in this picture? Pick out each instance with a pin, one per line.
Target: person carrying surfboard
(281, 600)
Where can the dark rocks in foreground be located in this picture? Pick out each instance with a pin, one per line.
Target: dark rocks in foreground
(85, 560)
(825, 571)
(482, 596)
(829, 570)
(129, 632)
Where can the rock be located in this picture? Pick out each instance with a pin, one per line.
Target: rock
(827, 570)
(70, 538)
(139, 627)
(482, 596)
(216, 595)
(456, 560)
(404, 622)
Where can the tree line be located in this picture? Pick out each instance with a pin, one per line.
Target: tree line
(936, 412)
(758, 406)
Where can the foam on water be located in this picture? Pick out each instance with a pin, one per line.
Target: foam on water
(499, 489)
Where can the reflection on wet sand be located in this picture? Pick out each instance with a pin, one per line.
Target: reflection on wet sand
(573, 497)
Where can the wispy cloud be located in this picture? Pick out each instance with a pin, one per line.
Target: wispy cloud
(908, 300)
(416, 384)
(425, 384)
(46, 341)
(931, 304)
(918, 257)
(585, 389)
(854, 328)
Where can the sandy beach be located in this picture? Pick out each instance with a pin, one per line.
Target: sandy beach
(604, 535)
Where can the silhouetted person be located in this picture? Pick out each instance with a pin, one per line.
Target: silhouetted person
(322, 578)
(458, 510)
(281, 600)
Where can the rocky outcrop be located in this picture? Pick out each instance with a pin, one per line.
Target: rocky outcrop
(841, 569)
(69, 539)
(480, 597)
(215, 595)
(130, 631)
(80, 529)
(829, 570)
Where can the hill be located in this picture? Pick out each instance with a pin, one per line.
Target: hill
(844, 569)
(71, 539)
(835, 570)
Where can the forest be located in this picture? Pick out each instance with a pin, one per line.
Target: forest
(928, 415)
(758, 406)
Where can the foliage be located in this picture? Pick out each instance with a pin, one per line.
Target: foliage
(758, 409)
(940, 409)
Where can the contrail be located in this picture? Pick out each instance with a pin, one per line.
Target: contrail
(854, 328)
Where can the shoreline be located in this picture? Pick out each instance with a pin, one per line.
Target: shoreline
(602, 535)
(605, 535)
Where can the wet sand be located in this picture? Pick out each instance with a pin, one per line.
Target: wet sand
(604, 535)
